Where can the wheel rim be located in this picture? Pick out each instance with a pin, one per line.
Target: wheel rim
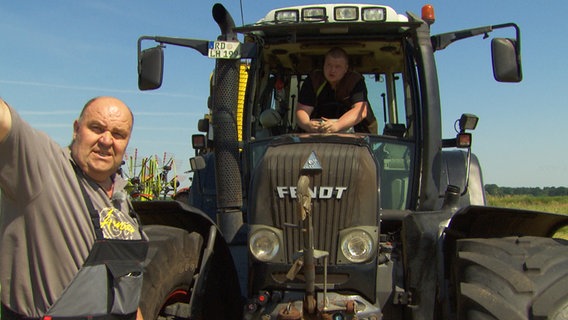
(177, 296)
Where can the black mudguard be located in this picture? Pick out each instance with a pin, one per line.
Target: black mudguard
(420, 236)
(217, 280)
(492, 222)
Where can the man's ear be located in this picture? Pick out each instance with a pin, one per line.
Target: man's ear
(75, 129)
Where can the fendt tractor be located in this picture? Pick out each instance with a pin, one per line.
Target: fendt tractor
(393, 224)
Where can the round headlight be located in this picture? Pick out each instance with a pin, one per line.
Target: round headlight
(264, 245)
(357, 246)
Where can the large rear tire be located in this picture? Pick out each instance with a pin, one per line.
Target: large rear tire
(172, 260)
(512, 278)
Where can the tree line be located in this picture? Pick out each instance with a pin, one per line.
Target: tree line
(495, 190)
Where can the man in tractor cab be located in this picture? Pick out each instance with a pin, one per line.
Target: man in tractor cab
(71, 246)
(335, 99)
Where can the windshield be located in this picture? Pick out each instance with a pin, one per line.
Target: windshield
(276, 86)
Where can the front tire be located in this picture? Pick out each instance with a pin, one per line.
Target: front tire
(512, 278)
(172, 260)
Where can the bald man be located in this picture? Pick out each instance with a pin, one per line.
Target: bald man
(60, 206)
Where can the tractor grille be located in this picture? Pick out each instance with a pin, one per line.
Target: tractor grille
(345, 193)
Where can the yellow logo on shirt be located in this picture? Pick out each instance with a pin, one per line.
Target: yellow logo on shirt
(117, 225)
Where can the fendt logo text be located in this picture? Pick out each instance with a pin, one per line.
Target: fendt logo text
(316, 193)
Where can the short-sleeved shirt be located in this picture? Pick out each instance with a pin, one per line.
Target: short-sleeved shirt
(45, 228)
(330, 103)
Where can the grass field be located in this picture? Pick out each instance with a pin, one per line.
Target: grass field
(548, 204)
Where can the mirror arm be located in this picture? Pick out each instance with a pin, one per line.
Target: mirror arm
(199, 45)
(441, 41)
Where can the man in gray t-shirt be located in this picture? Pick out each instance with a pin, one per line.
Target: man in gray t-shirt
(46, 232)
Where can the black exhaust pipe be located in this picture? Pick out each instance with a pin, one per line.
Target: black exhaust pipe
(225, 22)
(227, 159)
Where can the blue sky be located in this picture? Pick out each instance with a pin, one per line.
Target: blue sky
(56, 55)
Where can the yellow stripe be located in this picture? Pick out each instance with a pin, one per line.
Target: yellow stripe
(243, 78)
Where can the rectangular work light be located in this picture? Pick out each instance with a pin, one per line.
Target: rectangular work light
(313, 14)
(287, 16)
(374, 14)
(346, 13)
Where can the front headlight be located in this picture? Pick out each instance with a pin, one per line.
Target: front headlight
(357, 246)
(264, 244)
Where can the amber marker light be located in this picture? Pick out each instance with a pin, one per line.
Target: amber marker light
(463, 140)
(428, 14)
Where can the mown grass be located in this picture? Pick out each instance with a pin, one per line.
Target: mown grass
(558, 204)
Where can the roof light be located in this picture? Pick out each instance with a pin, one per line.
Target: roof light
(313, 14)
(286, 16)
(374, 14)
(345, 13)
(428, 14)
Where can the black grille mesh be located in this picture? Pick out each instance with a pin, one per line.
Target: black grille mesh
(344, 165)
(229, 192)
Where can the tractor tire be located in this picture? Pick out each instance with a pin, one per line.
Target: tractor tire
(172, 260)
(512, 278)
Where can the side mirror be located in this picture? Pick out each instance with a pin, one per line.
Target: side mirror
(506, 58)
(150, 68)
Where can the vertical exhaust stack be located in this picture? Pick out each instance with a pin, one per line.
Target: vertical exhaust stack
(227, 160)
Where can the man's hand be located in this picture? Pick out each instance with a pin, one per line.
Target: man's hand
(5, 120)
(328, 126)
(303, 113)
(348, 120)
(315, 126)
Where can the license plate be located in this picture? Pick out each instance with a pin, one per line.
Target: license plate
(224, 50)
